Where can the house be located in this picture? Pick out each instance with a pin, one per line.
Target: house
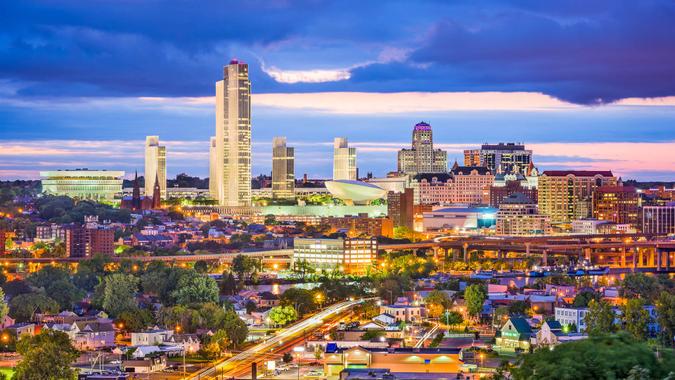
(145, 365)
(514, 335)
(553, 333)
(267, 299)
(22, 329)
(384, 318)
(571, 316)
(150, 337)
(188, 342)
(404, 313)
(6, 322)
(92, 335)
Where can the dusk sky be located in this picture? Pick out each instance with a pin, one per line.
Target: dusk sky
(585, 84)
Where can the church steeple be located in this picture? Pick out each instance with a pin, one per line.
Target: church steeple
(136, 203)
(156, 194)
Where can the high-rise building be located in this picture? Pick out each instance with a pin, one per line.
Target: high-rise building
(422, 158)
(100, 240)
(213, 168)
(155, 166)
(283, 169)
(344, 160)
(76, 241)
(502, 191)
(617, 204)
(472, 157)
(505, 158)
(233, 136)
(566, 195)
(471, 184)
(400, 208)
(658, 219)
(518, 216)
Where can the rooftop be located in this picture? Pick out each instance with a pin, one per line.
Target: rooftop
(422, 126)
(577, 173)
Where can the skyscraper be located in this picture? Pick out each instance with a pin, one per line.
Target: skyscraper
(213, 168)
(283, 169)
(155, 166)
(422, 158)
(233, 136)
(344, 160)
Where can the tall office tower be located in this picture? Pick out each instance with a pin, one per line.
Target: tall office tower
(233, 136)
(472, 157)
(344, 160)
(213, 168)
(617, 204)
(283, 169)
(422, 158)
(505, 158)
(566, 196)
(155, 166)
(400, 208)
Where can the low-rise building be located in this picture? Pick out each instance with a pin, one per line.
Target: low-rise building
(350, 255)
(514, 335)
(155, 336)
(459, 219)
(519, 216)
(404, 313)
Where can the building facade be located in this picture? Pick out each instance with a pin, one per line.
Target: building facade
(155, 166)
(519, 216)
(213, 168)
(354, 255)
(400, 208)
(422, 157)
(361, 225)
(505, 158)
(344, 160)
(658, 219)
(433, 188)
(99, 185)
(617, 204)
(233, 136)
(566, 196)
(499, 193)
(471, 184)
(283, 169)
(472, 157)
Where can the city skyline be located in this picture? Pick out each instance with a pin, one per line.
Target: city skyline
(369, 81)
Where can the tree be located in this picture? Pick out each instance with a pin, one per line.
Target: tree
(118, 293)
(452, 318)
(599, 357)
(302, 300)
(48, 355)
(195, 288)
(665, 309)
(583, 298)
(228, 285)
(236, 329)
(135, 319)
(474, 297)
(287, 358)
(251, 307)
(201, 267)
(437, 302)
(65, 293)
(372, 334)
(640, 285)
(518, 308)
(599, 319)
(221, 339)
(24, 306)
(283, 315)
(243, 266)
(4, 308)
(635, 318)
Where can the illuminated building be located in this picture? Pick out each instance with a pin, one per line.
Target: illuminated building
(213, 168)
(422, 158)
(361, 225)
(3, 239)
(566, 195)
(432, 188)
(505, 158)
(400, 208)
(459, 219)
(233, 136)
(283, 169)
(355, 191)
(367, 361)
(472, 157)
(658, 219)
(502, 191)
(471, 184)
(515, 334)
(617, 204)
(344, 160)
(155, 166)
(86, 241)
(518, 216)
(83, 183)
(353, 255)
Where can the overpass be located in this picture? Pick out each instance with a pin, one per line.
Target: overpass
(640, 250)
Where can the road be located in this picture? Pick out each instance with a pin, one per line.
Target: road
(428, 335)
(242, 361)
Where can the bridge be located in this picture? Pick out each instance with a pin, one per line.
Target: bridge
(620, 250)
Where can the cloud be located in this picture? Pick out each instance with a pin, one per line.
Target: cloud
(307, 76)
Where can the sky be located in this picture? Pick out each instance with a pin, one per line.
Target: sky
(584, 84)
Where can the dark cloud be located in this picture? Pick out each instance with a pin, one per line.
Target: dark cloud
(584, 52)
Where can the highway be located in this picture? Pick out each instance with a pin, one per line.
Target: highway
(259, 352)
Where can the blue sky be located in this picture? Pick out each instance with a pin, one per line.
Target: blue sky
(586, 84)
